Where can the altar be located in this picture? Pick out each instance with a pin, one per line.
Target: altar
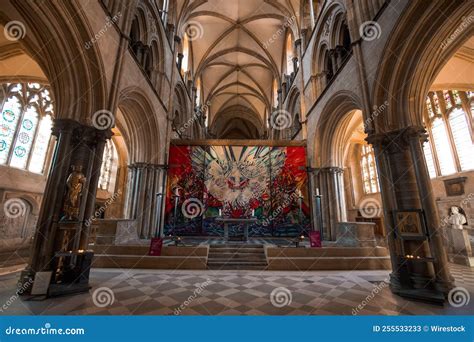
(245, 221)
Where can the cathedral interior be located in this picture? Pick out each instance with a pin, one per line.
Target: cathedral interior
(247, 157)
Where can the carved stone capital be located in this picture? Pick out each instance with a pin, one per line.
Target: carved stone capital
(399, 140)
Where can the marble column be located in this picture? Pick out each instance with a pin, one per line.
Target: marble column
(405, 185)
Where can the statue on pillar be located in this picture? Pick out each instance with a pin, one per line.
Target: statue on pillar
(456, 219)
(75, 184)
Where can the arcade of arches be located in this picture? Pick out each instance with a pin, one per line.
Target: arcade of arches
(339, 131)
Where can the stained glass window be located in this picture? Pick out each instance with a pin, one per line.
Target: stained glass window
(25, 125)
(437, 108)
(369, 170)
(447, 99)
(457, 98)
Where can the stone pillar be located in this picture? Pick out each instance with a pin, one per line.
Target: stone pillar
(283, 92)
(180, 60)
(78, 151)
(147, 181)
(405, 185)
(94, 149)
(53, 196)
(333, 207)
(129, 192)
(295, 65)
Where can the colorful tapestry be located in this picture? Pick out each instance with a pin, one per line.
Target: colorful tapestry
(262, 182)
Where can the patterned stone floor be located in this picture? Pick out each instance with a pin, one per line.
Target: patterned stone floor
(164, 292)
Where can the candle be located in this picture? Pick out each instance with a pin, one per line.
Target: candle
(220, 212)
(253, 212)
(317, 191)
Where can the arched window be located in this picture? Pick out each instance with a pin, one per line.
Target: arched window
(25, 125)
(290, 54)
(328, 67)
(462, 138)
(164, 10)
(450, 148)
(275, 93)
(345, 42)
(369, 170)
(198, 92)
(108, 168)
(185, 61)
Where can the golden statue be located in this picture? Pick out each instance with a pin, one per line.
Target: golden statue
(75, 184)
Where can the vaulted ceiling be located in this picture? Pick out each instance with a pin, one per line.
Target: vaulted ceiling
(237, 51)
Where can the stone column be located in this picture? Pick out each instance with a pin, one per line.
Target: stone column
(180, 61)
(96, 141)
(333, 207)
(295, 64)
(444, 280)
(78, 151)
(405, 185)
(129, 191)
(53, 196)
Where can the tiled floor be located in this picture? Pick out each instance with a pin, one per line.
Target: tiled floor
(164, 292)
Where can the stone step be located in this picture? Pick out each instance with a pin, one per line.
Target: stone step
(236, 267)
(237, 245)
(236, 255)
(224, 263)
(236, 250)
(238, 259)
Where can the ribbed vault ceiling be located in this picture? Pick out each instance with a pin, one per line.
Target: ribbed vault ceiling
(237, 48)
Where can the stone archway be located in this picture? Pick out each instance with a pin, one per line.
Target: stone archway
(398, 136)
